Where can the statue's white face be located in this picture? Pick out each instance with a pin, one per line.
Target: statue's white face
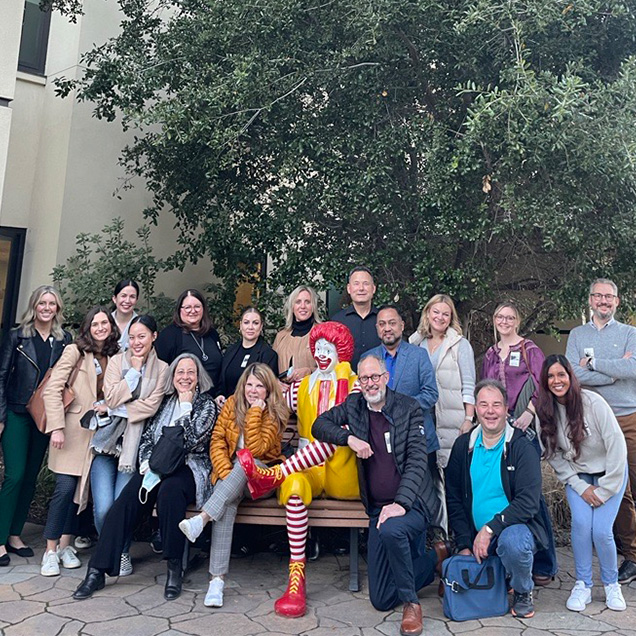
(326, 355)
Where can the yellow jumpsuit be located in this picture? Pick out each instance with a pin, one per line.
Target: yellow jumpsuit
(338, 476)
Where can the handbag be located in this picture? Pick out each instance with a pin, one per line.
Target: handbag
(169, 452)
(474, 590)
(35, 405)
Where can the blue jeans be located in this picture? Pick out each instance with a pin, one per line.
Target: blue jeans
(594, 526)
(106, 485)
(516, 548)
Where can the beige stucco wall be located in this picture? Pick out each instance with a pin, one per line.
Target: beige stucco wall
(10, 23)
(62, 170)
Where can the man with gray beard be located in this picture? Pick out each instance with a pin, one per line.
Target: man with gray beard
(386, 431)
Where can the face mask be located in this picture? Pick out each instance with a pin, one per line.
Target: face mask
(150, 481)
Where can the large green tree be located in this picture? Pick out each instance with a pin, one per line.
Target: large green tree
(483, 148)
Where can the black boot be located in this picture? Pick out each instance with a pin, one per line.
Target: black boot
(95, 580)
(174, 580)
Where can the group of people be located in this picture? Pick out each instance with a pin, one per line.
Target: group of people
(168, 419)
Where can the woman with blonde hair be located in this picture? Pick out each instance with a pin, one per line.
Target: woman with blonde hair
(292, 343)
(452, 357)
(254, 418)
(516, 362)
(27, 353)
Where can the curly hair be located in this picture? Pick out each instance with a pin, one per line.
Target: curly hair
(336, 333)
(548, 413)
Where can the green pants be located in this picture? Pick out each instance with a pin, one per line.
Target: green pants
(23, 448)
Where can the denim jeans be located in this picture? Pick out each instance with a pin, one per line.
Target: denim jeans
(594, 526)
(516, 548)
(106, 485)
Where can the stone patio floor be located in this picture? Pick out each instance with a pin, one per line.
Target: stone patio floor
(31, 604)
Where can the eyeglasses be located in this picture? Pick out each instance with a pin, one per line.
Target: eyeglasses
(192, 309)
(375, 377)
(500, 318)
(608, 297)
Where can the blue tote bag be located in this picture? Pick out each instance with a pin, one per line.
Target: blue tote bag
(474, 590)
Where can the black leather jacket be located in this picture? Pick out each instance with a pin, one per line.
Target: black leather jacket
(19, 371)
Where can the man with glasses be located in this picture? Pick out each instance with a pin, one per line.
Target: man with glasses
(386, 432)
(603, 356)
(360, 316)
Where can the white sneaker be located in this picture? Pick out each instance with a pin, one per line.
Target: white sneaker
(125, 565)
(214, 597)
(68, 557)
(83, 543)
(614, 597)
(192, 528)
(50, 564)
(580, 596)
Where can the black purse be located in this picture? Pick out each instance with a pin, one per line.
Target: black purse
(169, 452)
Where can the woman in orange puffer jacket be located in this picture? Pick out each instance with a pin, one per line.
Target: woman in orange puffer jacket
(254, 417)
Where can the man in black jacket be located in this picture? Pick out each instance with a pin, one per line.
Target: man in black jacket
(493, 494)
(386, 431)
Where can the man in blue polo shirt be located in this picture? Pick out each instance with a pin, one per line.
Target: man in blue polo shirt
(493, 494)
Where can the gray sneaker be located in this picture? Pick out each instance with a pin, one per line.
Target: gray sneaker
(522, 605)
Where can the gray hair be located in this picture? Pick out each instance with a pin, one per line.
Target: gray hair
(291, 299)
(204, 382)
(377, 357)
(492, 384)
(604, 281)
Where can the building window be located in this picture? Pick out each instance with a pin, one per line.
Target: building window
(35, 38)
(12, 241)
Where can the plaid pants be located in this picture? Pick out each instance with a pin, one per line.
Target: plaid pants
(222, 506)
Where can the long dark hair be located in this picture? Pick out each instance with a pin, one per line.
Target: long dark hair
(206, 322)
(547, 409)
(85, 341)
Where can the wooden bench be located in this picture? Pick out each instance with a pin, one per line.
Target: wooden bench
(323, 513)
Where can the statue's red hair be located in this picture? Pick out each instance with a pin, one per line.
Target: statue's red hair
(336, 333)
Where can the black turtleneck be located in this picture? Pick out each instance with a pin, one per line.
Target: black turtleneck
(301, 328)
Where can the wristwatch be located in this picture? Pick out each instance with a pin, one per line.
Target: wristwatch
(590, 364)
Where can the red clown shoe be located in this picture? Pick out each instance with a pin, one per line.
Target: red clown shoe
(260, 481)
(293, 603)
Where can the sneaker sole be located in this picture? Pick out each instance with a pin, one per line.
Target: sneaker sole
(71, 567)
(572, 609)
(50, 573)
(184, 526)
(126, 573)
(213, 604)
(530, 615)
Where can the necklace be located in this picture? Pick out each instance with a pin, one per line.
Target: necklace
(204, 355)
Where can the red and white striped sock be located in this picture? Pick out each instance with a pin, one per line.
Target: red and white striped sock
(297, 527)
(311, 455)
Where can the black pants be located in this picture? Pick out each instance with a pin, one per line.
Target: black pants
(173, 495)
(397, 560)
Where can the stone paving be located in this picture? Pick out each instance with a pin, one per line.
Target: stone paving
(31, 604)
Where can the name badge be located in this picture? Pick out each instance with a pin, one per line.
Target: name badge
(515, 358)
(387, 441)
(588, 352)
(245, 361)
(98, 366)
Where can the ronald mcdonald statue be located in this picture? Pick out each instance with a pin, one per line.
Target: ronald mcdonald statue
(317, 467)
